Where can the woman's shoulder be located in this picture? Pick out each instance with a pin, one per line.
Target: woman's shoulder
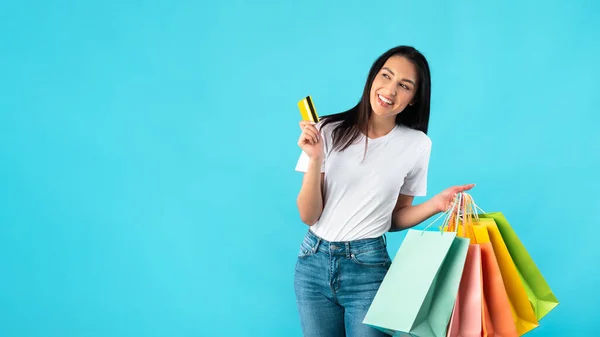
(415, 135)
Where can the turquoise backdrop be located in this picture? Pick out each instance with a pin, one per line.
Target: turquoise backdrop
(147, 150)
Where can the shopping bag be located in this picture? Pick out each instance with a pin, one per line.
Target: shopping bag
(496, 297)
(417, 294)
(466, 320)
(486, 324)
(522, 311)
(537, 289)
(470, 315)
(497, 318)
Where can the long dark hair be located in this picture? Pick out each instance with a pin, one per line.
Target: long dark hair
(356, 120)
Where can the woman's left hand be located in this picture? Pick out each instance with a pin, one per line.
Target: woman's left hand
(443, 201)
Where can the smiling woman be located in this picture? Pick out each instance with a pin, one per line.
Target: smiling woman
(352, 195)
(393, 88)
(397, 92)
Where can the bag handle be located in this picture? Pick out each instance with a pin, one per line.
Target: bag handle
(453, 215)
(448, 214)
(474, 205)
(467, 216)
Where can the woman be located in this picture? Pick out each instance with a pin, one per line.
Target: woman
(362, 169)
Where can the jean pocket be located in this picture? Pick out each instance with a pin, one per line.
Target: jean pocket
(372, 258)
(305, 249)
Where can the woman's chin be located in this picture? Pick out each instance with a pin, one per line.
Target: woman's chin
(383, 113)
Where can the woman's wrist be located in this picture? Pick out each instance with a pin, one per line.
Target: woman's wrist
(431, 207)
(318, 160)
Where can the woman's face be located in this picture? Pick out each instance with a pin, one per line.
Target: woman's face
(393, 87)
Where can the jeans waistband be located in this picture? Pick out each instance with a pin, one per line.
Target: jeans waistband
(316, 243)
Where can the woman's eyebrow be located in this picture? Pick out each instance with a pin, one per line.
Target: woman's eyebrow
(404, 79)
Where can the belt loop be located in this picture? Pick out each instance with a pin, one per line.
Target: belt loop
(347, 244)
(316, 248)
(384, 240)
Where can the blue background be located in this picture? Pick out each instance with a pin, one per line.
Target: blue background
(147, 150)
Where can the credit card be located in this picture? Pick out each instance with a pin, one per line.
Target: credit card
(307, 110)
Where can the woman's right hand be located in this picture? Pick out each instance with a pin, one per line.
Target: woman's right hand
(310, 140)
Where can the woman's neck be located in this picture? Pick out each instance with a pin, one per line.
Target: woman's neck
(379, 127)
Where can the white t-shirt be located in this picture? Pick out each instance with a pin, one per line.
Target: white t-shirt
(359, 196)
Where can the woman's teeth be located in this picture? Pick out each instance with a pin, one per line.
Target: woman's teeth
(385, 100)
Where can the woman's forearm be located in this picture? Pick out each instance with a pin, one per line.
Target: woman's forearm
(310, 197)
(410, 216)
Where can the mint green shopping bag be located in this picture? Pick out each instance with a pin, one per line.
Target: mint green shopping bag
(417, 295)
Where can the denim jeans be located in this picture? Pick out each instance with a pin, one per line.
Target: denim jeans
(335, 283)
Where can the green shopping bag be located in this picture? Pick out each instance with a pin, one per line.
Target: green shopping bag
(538, 291)
(417, 295)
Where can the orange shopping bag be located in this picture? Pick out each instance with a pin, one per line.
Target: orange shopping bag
(493, 287)
(496, 297)
(496, 312)
(521, 310)
(488, 329)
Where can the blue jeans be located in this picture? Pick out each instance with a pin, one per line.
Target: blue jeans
(335, 283)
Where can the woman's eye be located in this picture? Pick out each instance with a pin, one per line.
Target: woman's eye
(404, 86)
(386, 76)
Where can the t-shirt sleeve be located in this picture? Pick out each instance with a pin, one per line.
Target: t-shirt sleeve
(302, 164)
(415, 183)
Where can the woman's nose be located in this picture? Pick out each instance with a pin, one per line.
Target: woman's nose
(393, 89)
